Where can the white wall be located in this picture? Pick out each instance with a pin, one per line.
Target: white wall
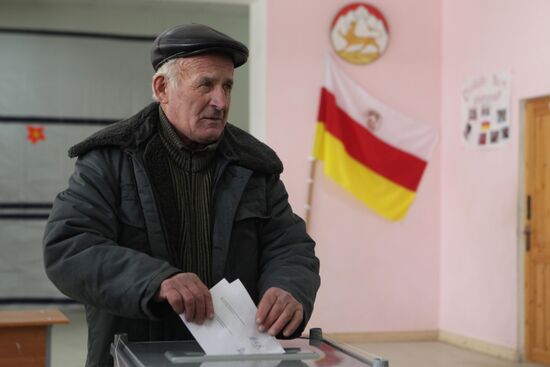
(139, 18)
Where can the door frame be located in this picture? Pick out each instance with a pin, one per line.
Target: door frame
(258, 68)
(521, 220)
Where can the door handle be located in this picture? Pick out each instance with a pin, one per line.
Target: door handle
(527, 233)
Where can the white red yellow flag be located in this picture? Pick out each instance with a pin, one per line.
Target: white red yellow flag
(374, 152)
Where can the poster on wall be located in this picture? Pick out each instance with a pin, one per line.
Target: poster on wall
(486, 110)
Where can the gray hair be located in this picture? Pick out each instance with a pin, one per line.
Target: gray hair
(171, 71)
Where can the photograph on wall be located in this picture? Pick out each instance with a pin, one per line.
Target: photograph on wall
(486, 110)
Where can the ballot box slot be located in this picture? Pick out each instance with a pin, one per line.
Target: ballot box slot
(182, 357)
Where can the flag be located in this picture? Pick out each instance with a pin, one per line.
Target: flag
(374, 152)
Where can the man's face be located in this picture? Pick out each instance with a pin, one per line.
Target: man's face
(199, 104)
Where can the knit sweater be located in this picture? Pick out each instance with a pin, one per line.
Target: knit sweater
(191, 179)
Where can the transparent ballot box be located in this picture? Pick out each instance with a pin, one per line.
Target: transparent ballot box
(302, 352)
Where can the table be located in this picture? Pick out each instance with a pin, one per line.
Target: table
(25, 336)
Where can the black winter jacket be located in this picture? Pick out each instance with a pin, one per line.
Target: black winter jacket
(105, 243)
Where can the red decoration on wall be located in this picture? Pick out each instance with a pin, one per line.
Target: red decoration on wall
(35, 134)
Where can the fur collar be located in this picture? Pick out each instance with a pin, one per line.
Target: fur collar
(131, 134)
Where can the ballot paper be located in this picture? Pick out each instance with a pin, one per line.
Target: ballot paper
(233, 330)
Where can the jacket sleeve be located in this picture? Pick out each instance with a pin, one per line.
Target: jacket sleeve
(288, 258)
(81, 254)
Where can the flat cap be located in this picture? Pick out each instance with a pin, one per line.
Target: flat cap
(194, 39)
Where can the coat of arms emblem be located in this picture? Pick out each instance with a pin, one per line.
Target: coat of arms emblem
(359, 33)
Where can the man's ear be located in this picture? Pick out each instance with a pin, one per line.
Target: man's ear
(160, 87)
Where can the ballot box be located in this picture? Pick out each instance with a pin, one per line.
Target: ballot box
(302, 352)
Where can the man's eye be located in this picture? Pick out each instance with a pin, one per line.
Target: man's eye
(228, 87)
(205, 84)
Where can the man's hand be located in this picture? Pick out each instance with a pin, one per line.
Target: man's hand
(278, 309)
(186, 293)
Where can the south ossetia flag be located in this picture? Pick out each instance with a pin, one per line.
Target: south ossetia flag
(380, 163)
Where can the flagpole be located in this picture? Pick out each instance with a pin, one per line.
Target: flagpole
(309, 198)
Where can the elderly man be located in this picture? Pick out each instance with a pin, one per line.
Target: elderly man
(163, 205)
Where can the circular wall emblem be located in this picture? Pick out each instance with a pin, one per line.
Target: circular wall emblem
(359, 33)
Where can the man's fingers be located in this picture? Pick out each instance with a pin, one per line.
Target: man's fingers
(189, 304)
(187, 294)
(173, 297)
(194, 302)
(279, 311)
(265, 305)
(289, 319)
(277, 325)
(209, 306)
(203, 301)
(203, 308)
(294, 323)
(200, 309)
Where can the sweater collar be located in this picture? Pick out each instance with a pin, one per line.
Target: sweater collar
(189, 159)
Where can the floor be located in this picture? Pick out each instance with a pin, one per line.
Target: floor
(69, 349)
(69, 341)
(434, 354)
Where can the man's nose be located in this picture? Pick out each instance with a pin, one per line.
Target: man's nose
(220, 98)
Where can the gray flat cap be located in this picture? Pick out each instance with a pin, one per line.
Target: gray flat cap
(194, 39)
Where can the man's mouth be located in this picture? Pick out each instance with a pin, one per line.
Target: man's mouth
(213, 118)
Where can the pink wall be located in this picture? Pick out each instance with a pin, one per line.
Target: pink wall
(479, 207)
(381, 276)
(376, 275)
